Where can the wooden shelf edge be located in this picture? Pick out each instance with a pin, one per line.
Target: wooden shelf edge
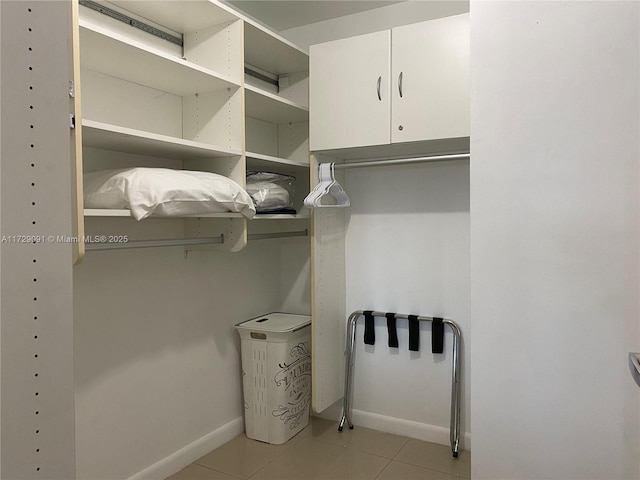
(157, 139)
(123, 213)
(277, 160)
(273, 216)
(275, 98)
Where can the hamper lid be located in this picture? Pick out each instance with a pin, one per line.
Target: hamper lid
(276, 322)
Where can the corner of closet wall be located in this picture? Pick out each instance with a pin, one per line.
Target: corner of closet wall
(375, 20)
(156, 351)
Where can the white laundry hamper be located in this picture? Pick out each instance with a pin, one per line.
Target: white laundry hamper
(276, 369)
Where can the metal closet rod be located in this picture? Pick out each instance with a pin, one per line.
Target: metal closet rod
(177, 242)
(381, 162)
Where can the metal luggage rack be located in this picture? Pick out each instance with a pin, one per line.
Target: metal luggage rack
(454, 435)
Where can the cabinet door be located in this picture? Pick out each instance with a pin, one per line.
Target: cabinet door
(349, 91)
(430, 80)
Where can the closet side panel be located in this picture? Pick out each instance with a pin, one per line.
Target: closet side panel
(327, 304)
(36, 318)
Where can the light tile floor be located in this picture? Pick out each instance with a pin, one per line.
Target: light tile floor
(320, 452)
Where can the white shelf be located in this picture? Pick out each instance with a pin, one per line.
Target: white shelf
(113, 54)
(258, 161)
(123, 139)
(281, 217)
(398, 150)
(271, 52)
(179, 15)
(271, 108)
(105, 212)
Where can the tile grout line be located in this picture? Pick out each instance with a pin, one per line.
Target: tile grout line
(292, 444)
(215, 470)
(401, 448)
(329, 442)
(431, 469)
(314, 440)
(284, 450)
(383, 470)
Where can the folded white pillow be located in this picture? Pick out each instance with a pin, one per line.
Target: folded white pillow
(162, 191)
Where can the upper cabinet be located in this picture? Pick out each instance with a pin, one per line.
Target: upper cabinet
(350, 92)
(430, 80)
(408, 84)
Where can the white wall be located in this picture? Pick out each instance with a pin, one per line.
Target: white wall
(407, 251)
(156, 356)
(554, 239)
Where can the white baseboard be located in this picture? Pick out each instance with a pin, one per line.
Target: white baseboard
(187, 455)
(398, 426)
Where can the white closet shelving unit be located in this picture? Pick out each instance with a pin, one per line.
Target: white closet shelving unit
(277, 110)
(191, 85)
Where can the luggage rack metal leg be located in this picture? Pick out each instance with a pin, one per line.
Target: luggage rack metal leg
(454, 435)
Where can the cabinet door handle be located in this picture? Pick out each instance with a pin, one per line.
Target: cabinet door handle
(400, 84)
(379, 83)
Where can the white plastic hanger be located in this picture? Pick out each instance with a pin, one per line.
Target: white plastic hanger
(324, 181)
(328, 192)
